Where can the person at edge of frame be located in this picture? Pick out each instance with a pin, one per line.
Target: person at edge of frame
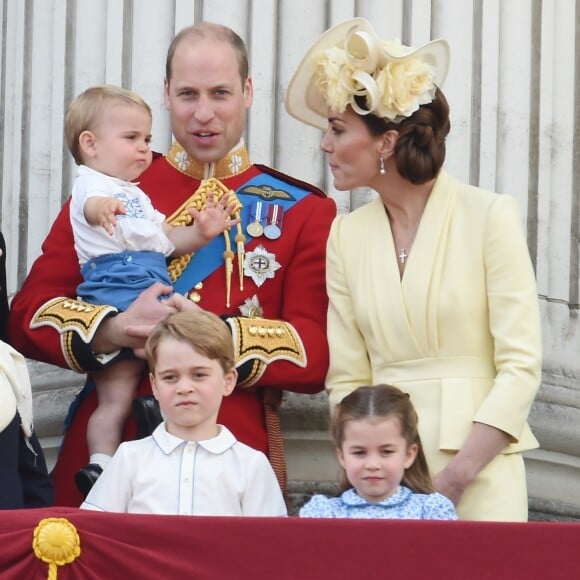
(24, 479)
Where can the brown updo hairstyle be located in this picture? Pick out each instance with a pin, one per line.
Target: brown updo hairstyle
(420, 148)
(382, 402)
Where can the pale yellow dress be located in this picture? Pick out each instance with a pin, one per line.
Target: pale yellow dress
(460, 332)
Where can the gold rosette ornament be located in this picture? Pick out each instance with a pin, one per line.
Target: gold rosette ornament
(56, 542)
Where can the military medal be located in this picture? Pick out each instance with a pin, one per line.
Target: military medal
(274, 220)
(255, 228)
(260, 265)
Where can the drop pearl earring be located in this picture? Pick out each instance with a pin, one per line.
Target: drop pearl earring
(382, 169)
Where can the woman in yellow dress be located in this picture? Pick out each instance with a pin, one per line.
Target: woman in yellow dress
(431, 285)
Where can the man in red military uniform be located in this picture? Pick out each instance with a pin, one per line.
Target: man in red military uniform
(266, 278)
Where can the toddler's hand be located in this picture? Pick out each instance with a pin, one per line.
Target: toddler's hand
(216, 217)
(107, 211)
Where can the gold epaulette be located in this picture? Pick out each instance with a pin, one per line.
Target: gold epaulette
(67, 315)
(265, 341)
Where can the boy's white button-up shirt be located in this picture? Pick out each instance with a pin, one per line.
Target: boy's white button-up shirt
(163, 474)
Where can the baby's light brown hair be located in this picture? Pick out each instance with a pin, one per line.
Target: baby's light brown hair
(85, 112)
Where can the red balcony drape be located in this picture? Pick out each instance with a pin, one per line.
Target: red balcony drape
(142, 546)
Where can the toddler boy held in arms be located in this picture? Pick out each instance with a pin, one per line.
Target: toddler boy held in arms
(122, 241)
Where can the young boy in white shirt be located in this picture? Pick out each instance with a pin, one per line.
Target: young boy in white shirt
(190, 465)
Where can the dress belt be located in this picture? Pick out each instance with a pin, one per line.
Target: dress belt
(436, 368)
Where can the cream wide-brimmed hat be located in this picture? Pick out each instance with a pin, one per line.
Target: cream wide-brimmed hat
(350, 60)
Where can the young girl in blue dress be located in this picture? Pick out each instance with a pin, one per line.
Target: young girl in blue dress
(385, 473)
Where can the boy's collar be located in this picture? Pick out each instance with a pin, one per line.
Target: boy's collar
(218, 444)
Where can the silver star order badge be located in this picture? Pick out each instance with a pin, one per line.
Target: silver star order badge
(260, 265)
(251, 308)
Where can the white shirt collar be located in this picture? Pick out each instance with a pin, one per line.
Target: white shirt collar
(86, 170)
(218, 444)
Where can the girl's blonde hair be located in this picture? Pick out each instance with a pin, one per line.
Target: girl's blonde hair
(381, 402)
(85, 112)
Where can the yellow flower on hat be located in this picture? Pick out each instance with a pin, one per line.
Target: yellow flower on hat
(404, 85)
(394, 89)
(333, 73)
(350, 65)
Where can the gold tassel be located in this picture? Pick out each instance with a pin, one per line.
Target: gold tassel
(229, 267)
(240, 240)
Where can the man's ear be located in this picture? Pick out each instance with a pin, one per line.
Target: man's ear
(248, 92)
(87, 143)
(388, 143)
(166, 93)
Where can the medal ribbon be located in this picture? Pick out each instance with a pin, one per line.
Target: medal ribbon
(209, 258)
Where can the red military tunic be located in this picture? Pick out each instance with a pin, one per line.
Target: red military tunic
(47, 324)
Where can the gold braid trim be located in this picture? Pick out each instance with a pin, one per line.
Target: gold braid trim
(67, 315)
(182, 217)
(266, 340)
(66, 343)
(255, 374)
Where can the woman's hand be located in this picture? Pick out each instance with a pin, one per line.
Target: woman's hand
(450, 484)
(481, 446)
